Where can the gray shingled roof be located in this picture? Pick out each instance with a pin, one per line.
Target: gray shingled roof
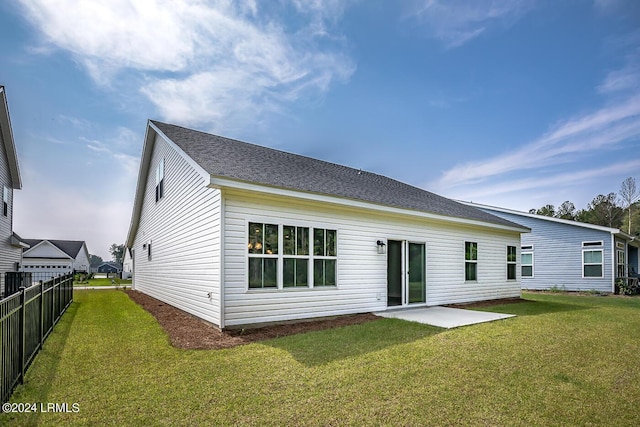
(69, 247)
(228, 158)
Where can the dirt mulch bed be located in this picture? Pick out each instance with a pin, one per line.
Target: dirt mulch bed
(488, 303)
(188, 332)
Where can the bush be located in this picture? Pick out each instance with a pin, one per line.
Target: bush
(627, 287)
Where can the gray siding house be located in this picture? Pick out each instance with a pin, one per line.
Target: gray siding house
(11, 244)
(240, 234)
(571, 255)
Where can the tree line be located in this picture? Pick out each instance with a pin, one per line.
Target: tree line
(616, 210)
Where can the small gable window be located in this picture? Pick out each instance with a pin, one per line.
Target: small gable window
(160, 180)
(5, 201)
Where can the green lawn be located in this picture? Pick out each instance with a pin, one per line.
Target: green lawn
(565, 360)
(102, 281)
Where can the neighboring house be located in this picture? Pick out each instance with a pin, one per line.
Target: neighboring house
(52, 258)
(571, 255)
(127, 264)
(109, 267)
(11, 244)
(239, 234)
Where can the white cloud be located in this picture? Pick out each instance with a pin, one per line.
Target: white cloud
(202, 62)
(606, 127)
(456, 23)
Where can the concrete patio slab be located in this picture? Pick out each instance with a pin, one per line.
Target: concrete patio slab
(443, 317)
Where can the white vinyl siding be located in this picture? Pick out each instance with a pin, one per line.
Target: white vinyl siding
(9, 255)
(361, 272)
(184, 233)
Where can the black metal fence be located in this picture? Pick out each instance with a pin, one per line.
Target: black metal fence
(26, 320)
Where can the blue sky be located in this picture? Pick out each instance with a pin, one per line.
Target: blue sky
(514, 103)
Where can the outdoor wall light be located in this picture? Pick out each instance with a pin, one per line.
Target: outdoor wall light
(381, 246)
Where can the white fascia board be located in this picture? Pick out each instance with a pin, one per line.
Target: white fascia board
(9, 144)
(145, 162)
(543, 217)
(221, 183)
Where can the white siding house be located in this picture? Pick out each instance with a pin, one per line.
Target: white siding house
(10, 244)
(239, 234)
(51, 258)
(571, 255)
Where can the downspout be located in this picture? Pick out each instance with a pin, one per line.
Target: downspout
(222, 240)
(613, 263)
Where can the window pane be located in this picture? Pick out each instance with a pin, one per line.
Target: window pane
(255, 238)
(593, 257)
(302, 243)
(527, 259)
(318, 272)
(330, 272)
(270, 273)
(511, 253)
(592, 271)
(289, 273)
(255, 272)
(288, 239)
(302, 272)
(331, 243)
(471, 251)
(511, 271)
(318, 241)
(527, 271)
(470, 271)
(270, 239)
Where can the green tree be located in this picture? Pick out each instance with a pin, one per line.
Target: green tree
(566, 210)
(604, 210)
(95, 260)
(548, 210)
(117, 252)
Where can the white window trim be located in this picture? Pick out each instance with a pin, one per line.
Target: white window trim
(601, 263)
(592, 244)
(159, 195)
(280, 255)
(533, 271)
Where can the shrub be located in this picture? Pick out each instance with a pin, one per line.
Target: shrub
(627, 287)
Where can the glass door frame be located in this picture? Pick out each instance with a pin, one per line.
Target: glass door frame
(405, 283)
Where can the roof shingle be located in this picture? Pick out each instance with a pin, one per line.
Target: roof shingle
(229, 158)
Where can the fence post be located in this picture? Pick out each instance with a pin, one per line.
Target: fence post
(22, 333)
(41, 314)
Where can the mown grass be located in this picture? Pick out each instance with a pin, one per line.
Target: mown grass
(565, 360)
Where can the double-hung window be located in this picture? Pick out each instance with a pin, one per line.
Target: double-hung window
(526, 261)
(263, 255)
(5, 201)
(324, 257)
(160, 180)
(470, 261)
(295, 242)
(592, 259)
(511, 262)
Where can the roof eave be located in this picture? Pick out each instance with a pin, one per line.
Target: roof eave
(223, 182)
(9, 144)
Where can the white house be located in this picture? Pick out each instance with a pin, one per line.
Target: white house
(571, 255)
(127, 264)
(51, 258)
(10, 243)
(240, 234)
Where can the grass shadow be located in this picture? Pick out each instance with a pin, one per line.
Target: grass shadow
(534, 308)
(322, 347)
(40, 374)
